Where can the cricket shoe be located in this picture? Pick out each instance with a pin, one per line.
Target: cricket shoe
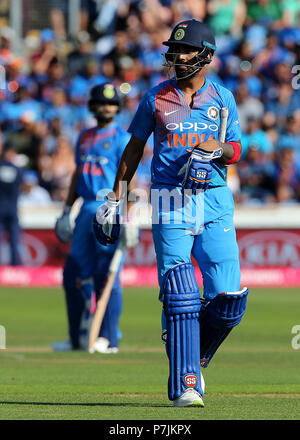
(101, 345)
(190, 397)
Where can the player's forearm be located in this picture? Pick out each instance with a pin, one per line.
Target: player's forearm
(128, 164)
(72, 193)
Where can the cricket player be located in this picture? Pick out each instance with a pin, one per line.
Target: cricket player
(98, 152)
(192, 207)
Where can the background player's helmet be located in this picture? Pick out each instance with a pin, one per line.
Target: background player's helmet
(104, 93)
(195, 34)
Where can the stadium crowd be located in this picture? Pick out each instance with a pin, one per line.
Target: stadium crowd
(47, 80)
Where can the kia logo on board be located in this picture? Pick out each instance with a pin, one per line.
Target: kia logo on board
(270, 249)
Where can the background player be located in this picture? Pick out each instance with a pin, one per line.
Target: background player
(184, 114)
(98, 152)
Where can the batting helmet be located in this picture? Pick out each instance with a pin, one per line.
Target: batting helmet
(195, 34)
(105, 93)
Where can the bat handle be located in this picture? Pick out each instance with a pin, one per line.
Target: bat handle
(116, 260)
(223, 123)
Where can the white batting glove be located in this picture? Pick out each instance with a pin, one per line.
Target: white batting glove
(63, 228)
(107, 221)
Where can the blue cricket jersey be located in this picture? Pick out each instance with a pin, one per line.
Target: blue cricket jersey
(98, 153)
(176, 126)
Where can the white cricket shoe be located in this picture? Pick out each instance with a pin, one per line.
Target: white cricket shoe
(190, 397)
(101, 345)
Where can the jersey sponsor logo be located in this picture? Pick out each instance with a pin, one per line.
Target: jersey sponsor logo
(186, 139)
(190, 380)
(213, 112)
(92, 164)
(196, 126)
(93, 169)
(93, 158)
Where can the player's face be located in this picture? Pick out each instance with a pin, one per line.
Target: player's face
(183, 58)
(103, 111)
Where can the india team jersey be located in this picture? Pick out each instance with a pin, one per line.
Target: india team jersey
(98, 153)
(176, 125)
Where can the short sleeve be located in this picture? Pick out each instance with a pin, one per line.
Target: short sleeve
(143, 122)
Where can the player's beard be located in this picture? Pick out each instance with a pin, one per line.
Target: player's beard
(104, 118)
(192, 68)
(188, 73)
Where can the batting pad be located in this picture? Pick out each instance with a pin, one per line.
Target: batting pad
(220, 315)
(181, 307)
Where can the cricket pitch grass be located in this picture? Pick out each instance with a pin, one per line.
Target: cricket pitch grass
(255, 375)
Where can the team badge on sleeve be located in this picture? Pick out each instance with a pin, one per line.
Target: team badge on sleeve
(213, 113)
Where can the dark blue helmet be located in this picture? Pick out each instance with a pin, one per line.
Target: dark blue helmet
(193, 33)
(105, 93)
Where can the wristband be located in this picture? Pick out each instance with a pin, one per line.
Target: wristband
(236, 155)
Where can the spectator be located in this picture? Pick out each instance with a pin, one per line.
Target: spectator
(47, 86)
(290, 136)
(256, 137)
(31, 192)
(286, 176)
(279, 106)
(58, 11)
(248, 106)
(62, 167)
(59, 108)
(255, 182)
(226, 16)
(10, 181)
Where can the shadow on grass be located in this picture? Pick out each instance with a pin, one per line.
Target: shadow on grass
(136, 405)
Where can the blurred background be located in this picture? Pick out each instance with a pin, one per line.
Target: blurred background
(52, 53)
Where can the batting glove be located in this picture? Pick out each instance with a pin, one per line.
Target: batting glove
(107, 221)
(198, 170)
(63, 228)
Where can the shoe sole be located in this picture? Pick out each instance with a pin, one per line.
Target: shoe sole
(196, 403)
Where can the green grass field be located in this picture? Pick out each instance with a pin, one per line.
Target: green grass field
(254, 375)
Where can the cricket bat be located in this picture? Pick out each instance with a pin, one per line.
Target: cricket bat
(223, 124)
(104, 298)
